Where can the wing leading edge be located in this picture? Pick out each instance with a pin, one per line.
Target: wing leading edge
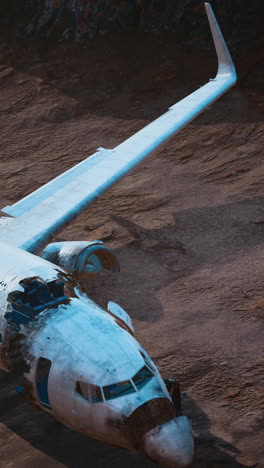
(40, 215)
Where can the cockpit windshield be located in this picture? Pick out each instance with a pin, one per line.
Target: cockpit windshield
(118, 389)
(142, 377)
(94, 393)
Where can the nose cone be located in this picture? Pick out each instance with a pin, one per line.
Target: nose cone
(170, 444)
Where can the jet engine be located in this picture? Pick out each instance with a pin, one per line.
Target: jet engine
(83, 259)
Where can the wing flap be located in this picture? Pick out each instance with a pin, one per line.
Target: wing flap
(46, 211)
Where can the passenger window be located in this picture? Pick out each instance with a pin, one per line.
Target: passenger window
(82, 389)
(118, 390)
(96, 394)
(142, 377)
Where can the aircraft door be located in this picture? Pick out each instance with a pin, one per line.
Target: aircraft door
(42, 378)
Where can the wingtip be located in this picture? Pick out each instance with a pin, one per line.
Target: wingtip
(208, 7)
(225, 62)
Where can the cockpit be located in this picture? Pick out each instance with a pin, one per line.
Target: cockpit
(95, 394)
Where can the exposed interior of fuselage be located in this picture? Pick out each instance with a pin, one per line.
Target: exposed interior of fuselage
(37, 295)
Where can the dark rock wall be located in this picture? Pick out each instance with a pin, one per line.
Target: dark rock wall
(83, 19)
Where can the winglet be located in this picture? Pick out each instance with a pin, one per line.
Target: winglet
(225, 62)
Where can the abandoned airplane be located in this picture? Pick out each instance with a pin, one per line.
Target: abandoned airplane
(78, 362)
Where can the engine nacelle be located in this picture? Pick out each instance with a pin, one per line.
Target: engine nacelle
(83, 259)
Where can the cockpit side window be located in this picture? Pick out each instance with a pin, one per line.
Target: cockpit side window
(89, 392)
(96, 394)
(118, 390)
(142, 377)
(82, 388)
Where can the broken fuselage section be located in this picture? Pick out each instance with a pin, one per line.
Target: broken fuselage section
(82, 364)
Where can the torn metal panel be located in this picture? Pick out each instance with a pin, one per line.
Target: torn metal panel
(30, 285)
(37, 295)
(14, 353)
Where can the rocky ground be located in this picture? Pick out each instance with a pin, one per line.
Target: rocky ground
(187, 226)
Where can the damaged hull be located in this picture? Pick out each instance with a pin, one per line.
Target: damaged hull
(68, 353)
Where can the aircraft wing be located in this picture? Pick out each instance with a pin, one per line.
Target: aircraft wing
(40, 215)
